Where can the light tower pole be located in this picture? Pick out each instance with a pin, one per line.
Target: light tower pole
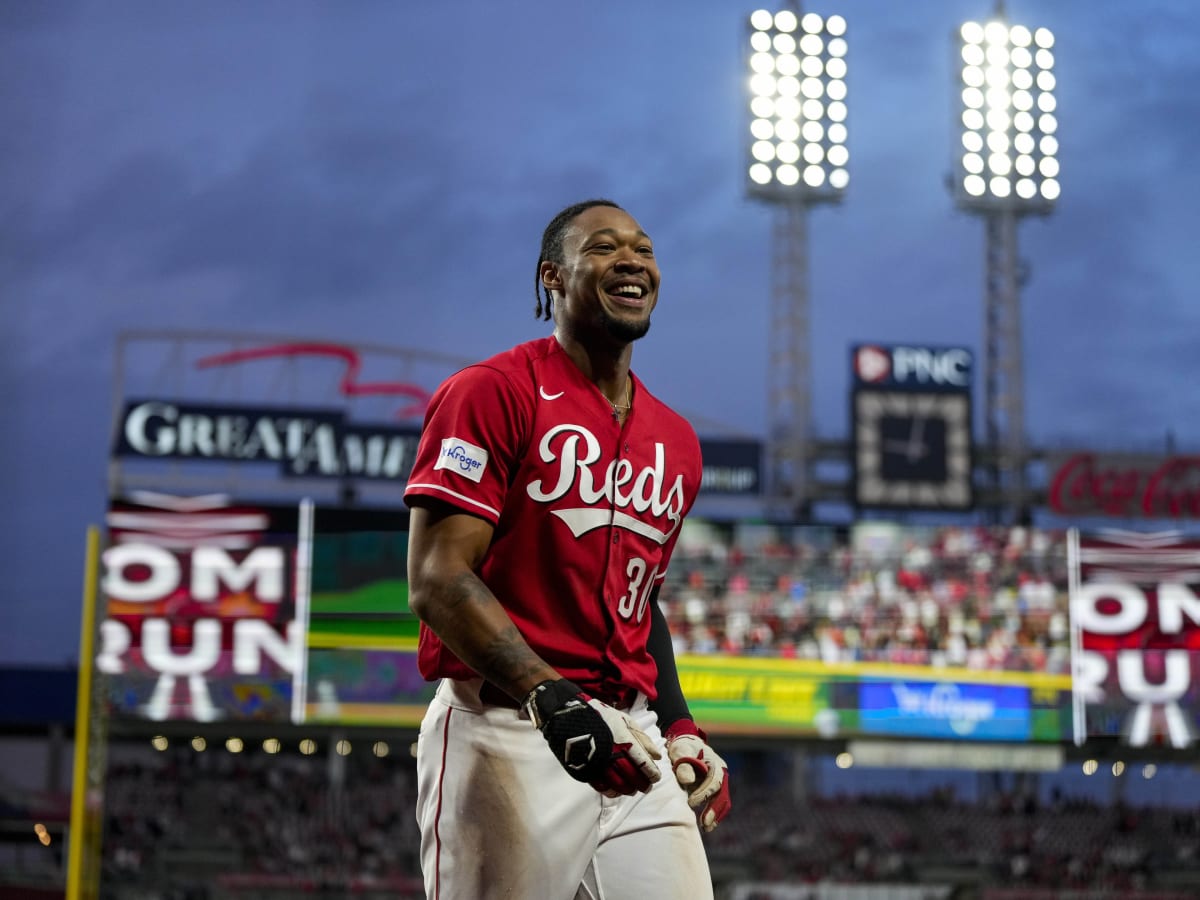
(789, 361)
(1004, 362)
(1005, 167)
(797, 159)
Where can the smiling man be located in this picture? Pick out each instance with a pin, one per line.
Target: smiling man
(547, 498)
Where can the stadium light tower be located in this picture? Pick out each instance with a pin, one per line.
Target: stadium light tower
(796, 158)
(1005, 167)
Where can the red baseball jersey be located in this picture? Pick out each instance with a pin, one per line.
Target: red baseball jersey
(586, 509)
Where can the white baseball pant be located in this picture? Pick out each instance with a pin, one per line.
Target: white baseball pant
(500, 818)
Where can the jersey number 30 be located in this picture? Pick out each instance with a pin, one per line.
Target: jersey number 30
(638, 595)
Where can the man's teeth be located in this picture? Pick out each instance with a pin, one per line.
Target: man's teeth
(629, 290)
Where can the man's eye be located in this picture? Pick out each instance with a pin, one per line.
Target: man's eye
(602, 246)
(646, 251)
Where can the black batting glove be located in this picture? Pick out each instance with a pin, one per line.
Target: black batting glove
(594, 742)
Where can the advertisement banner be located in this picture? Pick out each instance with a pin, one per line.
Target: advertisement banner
(731, 466)
(1128, 486)
(902, 367)
(945, 710)
(767, 696)
(798, 698)
(310, 443)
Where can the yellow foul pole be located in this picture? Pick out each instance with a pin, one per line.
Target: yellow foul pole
(76, 889)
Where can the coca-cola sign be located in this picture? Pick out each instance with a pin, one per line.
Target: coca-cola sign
(1140, 487)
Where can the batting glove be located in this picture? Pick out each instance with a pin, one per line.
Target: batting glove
(594, 742)
(699, 771)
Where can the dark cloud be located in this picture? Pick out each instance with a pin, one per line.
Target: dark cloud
(383, 173)
(29, 16)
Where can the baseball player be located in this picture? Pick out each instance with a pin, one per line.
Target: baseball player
(558, 758)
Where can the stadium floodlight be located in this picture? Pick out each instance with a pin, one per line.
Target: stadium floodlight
(1006, 148)
(796, 147)
(797, 158)
(1004, 167)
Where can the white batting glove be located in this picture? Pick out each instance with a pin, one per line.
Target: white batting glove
(634, 754)
(700, 772)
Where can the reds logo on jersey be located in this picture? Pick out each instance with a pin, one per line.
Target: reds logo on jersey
(576, 450)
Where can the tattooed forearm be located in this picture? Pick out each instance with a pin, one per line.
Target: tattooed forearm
(508, 662)
(464, 590)
(472, 623)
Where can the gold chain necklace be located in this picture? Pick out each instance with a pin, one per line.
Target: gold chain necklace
(619, 408)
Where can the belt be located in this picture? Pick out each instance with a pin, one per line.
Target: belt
(490, 695)
(618, 697)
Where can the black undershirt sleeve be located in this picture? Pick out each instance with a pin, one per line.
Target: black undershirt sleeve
(669, 705)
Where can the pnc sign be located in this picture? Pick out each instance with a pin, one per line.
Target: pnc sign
(917, 368)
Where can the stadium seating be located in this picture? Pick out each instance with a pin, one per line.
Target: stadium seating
(280, 825)
(979, 598)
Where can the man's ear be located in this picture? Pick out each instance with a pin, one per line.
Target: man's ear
(551, 276)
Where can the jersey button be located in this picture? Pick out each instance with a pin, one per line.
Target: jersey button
(616, 538)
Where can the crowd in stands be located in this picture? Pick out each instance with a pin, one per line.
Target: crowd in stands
(267, 825)
(33, 840)
(973, 597)
(187, 826)
(1070, 845)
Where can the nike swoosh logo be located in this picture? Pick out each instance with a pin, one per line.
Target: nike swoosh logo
(545, 396)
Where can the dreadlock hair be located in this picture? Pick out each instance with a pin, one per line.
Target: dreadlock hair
(552, 249)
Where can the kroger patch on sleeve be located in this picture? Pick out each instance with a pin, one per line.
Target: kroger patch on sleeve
(462, 457)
